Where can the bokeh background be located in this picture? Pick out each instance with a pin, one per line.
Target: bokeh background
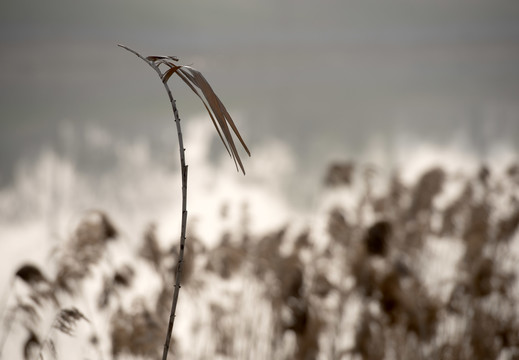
(397, 86)
(333, 78)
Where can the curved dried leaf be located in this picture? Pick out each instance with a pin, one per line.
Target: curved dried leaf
(161, 57)
(171, 71)
(206, 89)
(181, 74)
(221, 114)
(233, 126)
(215, 107)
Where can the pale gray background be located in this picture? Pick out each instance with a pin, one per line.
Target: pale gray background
(326, 77)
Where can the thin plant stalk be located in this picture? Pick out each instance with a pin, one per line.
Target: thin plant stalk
(183, 168)
(223, 124)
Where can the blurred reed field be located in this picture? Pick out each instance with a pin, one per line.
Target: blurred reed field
(414, 263)
(379, 215)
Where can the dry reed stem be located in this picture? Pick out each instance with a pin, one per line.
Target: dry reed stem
(194, 79)
(183, 167)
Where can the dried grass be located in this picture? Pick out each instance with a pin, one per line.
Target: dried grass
(250, 299)
(138, 334)
(67, 319)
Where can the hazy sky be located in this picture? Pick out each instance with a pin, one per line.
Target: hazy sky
(327, 77)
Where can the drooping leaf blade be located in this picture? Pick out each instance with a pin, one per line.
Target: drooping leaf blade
(184, 78)
(219, 115)
(214, 103)
(153, 58)
(173, 69)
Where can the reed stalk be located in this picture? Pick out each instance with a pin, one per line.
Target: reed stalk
(222, 122)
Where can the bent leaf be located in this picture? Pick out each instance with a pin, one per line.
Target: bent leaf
(159, 57)
(219, 115)
(191, 86)
(171, 71)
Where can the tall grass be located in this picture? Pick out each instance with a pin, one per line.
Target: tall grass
(222, 122)
(429, 273)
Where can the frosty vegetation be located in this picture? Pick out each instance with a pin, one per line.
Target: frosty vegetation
(384, 270)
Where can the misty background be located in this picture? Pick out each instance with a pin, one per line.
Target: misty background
(328, 79)
(420, 93)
